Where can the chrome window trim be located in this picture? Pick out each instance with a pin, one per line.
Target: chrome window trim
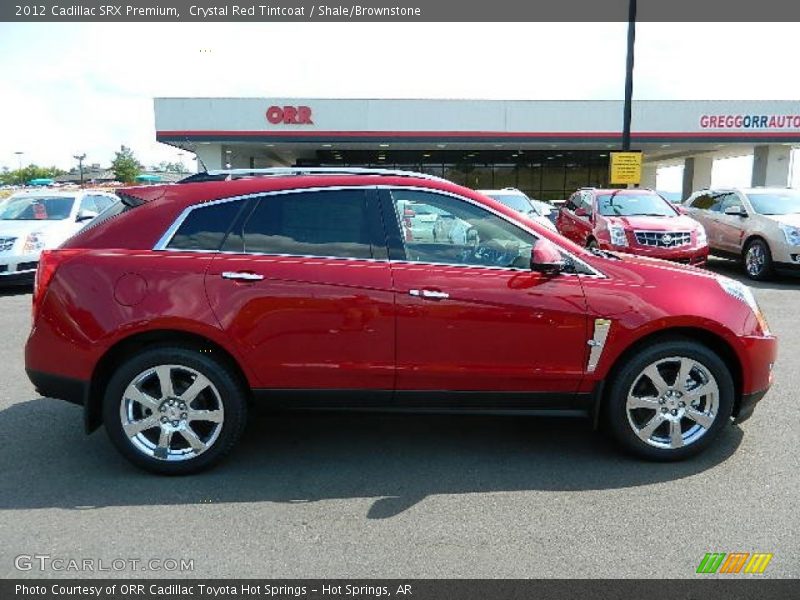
(163, 242)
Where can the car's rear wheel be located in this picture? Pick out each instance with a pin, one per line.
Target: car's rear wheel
(174, 410)
(758, 260)
(670, 400)
(592, 244)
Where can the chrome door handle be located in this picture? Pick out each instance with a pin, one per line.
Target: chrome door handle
(242, 276)
(430, 294)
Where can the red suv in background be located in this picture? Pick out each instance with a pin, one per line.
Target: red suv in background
(298, 289)
(637, 221)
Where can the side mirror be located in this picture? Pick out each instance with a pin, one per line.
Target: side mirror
(85, 215)
(681, 209)
(736, 211)
(546, 258)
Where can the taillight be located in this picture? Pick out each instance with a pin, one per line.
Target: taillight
(49, 261)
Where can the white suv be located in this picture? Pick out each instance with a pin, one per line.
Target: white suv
(34, 221)
(517, 200)
(761, 226)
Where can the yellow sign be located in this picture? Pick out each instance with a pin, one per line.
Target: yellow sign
(626, 167)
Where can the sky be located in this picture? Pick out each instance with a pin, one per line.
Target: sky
(87, 88)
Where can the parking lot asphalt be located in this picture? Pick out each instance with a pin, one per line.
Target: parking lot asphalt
(341, 496)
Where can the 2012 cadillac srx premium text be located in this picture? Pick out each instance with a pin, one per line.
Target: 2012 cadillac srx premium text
(186, 303)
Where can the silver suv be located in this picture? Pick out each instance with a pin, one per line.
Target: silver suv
(761, 226)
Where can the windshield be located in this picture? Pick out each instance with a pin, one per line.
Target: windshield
(36, 208)
(776, 203)
(629, 205)
(515, 202)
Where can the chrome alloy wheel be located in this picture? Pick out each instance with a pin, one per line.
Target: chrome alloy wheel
(171, 412)
(755, 259)
(673, 415)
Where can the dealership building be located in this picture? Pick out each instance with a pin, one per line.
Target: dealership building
(546, 148)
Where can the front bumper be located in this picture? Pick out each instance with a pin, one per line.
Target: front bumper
(758, 355)
(18, 269)
(688, 255)
(747, 405)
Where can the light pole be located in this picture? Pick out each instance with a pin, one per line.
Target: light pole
(19, 154)
(626, 122)
(79, 158)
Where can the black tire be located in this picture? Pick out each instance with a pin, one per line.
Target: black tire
(758, 271)
(592, 243)
(616, 411)
(229, 391)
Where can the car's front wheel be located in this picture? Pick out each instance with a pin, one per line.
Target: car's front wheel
(174, 410)
(670, 400)
(758, 260)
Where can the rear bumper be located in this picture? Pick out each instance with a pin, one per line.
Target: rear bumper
(48, 385)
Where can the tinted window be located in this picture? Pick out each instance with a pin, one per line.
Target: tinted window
(585, 199)
(628, 204)
(462, 233)
(36, 208)
(102, 202)
(205, 227)
(730, 200)
(708, 201)
(324, 223)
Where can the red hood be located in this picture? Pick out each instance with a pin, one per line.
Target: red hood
(676, 223)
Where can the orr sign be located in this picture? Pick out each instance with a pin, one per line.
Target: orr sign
(289, 115)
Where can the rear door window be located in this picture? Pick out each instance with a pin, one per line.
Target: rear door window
(325, 223)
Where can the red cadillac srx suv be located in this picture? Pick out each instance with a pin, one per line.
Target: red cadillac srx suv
(636, 221)
(184, 304)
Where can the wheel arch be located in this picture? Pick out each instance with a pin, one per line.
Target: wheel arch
(709, 339)
(122, 349)
(752, 237)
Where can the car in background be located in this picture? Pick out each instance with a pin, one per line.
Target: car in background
(297, 289)
(34, 221)
(636, 221)
(760, 226)
(519, 201)
(418, 221)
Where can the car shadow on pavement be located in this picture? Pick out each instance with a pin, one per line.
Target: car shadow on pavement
(398, 460)
(735, 270)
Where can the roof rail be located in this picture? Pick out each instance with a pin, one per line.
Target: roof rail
(229, 174)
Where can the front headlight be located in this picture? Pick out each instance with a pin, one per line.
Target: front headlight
(702, 238)
(792, 234)
(33, 243)
(741, 292)
(617, 234)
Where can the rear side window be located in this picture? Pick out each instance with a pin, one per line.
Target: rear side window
(205, 227)
(321, 223)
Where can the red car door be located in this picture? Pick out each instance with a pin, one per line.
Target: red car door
(304, 290)
(475, 317)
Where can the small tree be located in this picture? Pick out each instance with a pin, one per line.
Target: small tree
(125, 165)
